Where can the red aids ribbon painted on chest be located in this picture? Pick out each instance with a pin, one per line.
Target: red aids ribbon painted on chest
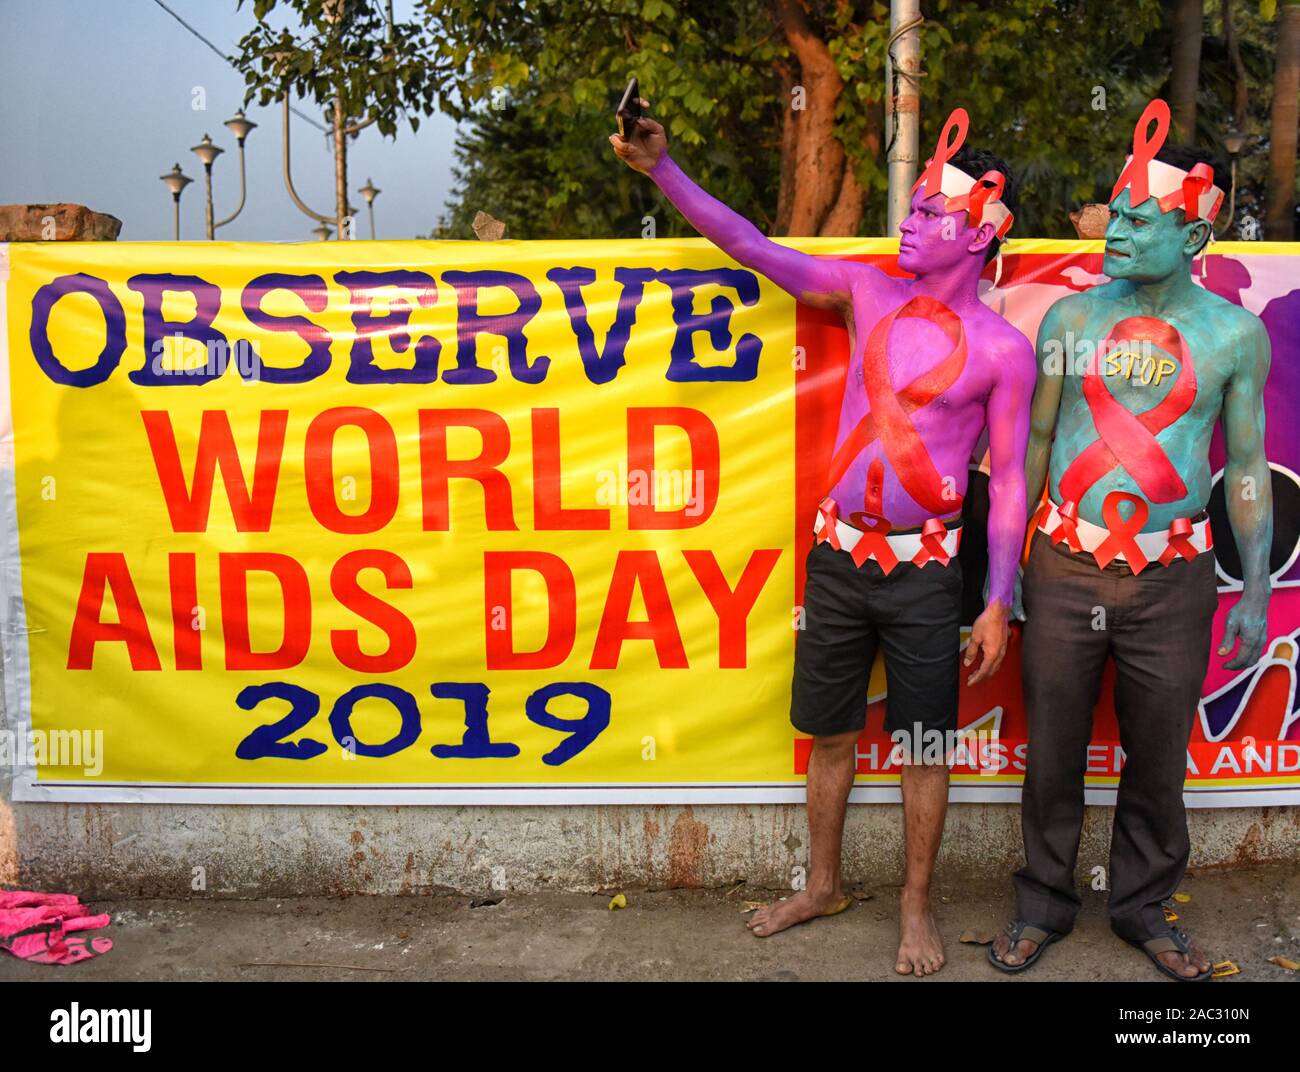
(1128, 439)
(1145, 147)
(1121, 541)
(889, 419)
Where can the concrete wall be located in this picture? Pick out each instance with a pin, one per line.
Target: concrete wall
(124, 850)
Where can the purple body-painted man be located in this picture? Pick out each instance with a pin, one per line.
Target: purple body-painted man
(931, 368)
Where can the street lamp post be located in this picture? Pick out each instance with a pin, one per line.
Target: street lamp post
(176, 181)
(240, 127)
(1234, 141)
(208, 152)
(369, 191)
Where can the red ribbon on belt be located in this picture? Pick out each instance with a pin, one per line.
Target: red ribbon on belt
(1145, 147)
(1127, 439)
(872, 543)
(1180, 542)
(932, 536)
(889, 419)
(1121, 541)
(1068, 527)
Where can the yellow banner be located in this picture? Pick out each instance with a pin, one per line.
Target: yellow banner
(511, 522)
(401, 519)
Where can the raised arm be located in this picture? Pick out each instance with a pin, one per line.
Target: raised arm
(1007, 416)
(816, 281)
(1248, 493)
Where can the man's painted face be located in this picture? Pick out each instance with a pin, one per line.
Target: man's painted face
(932, 240)
(1144, 244)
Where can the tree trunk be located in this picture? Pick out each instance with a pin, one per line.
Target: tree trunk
(846, 216)
(340, 168)
(1186, 60)
(1239, 83)
(1279, 213)
(789, 147)
(818, 157)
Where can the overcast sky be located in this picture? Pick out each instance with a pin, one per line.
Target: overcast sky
(96, 102)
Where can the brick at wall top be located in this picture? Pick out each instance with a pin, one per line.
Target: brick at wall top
(56, 223)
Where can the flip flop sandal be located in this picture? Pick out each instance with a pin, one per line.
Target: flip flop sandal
(1019, 930)
(1176, 941)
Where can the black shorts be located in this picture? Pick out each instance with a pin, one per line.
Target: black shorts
(913, 613)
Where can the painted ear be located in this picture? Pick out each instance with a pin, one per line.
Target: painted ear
(1198, 235)
(984, 234)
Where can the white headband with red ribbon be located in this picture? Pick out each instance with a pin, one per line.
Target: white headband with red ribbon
(1144, 176)
(980, 197)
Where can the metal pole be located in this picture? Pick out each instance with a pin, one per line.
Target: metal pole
(288, 177)
(904, 106)
(243, 190)
(208, 217)
(176, 215)
(371, 208)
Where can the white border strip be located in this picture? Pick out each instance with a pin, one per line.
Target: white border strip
(516, 794)
(13, 611)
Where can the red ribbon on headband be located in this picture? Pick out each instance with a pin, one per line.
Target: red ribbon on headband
(1145, 147)
(932, 177)
(988, 188)
(1195, 183)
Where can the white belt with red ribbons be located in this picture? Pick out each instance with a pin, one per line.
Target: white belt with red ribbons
(935, 540)
(1182, 539)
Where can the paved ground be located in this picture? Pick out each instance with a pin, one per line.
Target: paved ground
(1246, 915)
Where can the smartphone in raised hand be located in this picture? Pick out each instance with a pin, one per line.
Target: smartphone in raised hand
(629, 110)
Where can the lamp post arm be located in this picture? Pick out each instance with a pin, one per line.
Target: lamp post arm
(243, 191)
(288, 178)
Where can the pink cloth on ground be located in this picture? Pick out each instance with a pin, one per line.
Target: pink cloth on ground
(36, 927)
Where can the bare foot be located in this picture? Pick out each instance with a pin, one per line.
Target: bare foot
(920, 948)
(800, 908)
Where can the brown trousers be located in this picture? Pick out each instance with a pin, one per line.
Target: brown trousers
(1156, 627)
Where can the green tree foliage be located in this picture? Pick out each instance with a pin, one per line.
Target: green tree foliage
(1054, 86)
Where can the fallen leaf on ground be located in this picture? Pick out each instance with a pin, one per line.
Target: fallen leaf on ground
(1225, 967)
(750, 906)
(619, 900)
(1183, 898)
(1284, 962)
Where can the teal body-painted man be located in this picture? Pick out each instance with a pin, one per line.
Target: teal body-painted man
(1134, 374)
